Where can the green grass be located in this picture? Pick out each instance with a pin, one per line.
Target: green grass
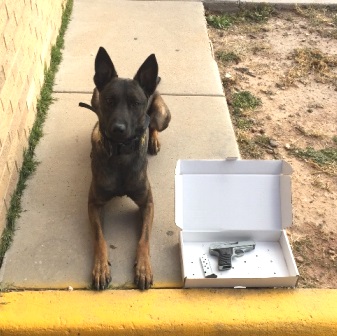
(220, 21)
(262, 140)
(29, 162)
(326, 156)
(243, 101)
(257, 14)
(243, 123)
(227, 57)
(248, 147)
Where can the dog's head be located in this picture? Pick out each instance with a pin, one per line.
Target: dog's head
(123, 103)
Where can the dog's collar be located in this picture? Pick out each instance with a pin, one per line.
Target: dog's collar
(127, 147)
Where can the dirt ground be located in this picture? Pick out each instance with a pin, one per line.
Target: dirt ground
(287, 62)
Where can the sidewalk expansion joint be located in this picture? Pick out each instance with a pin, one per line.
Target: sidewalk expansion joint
(161, 93)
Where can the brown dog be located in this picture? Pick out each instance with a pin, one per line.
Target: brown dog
(120, 141)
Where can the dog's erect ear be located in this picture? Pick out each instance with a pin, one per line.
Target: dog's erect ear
(147, 75)
(104, 69)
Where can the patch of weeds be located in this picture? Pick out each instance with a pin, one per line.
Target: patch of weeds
(317, 15)
(257, 14)
(243, 123)
(309, 133)
(227, 57)
(325, 159)
(241, 104)
(222, 21)
(29, 162)
(243, 101)
(322, 156)
(248, 148)
(262, 140)
(311, 61)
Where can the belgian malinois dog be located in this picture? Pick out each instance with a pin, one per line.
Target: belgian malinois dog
(130, 114)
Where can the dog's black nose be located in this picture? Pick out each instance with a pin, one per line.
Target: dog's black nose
(119, 128)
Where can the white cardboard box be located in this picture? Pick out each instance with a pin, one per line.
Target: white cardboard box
(235, 200)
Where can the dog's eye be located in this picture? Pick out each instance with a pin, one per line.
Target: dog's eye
(135, 103)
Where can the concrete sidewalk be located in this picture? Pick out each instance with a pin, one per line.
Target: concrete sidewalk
(53, 247)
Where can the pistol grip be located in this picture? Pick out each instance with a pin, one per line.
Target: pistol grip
(225, 258)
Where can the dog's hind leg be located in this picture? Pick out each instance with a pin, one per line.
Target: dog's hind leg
(160, 117)
(143, 271)
(101, 272)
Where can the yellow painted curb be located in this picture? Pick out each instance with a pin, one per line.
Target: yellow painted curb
(172, 311)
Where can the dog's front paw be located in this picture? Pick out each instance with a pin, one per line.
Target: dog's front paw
(143, 277)
(154, 146)
(101, 274)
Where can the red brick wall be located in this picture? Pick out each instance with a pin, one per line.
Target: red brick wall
(28, 29)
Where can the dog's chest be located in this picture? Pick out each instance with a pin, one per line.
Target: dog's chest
(119, 176)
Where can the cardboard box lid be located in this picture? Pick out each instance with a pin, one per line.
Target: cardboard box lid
(222, 195)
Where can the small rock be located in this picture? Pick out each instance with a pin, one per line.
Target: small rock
(270, 151)
(70, 288)
(316, 105)
(268, 117)
(309, 110)
(228, 75)
(332, 252)
(261, 131)
(287, 146)
(299, 259)
(273, 143)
